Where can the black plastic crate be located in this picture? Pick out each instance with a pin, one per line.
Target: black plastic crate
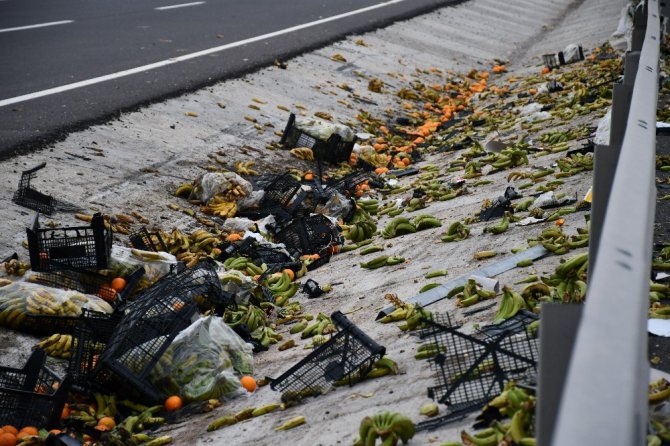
(273, 256)
(472, 369)
(309, 235)
(33, 395)
(348, 355)
(90, 282)
(44, 324)
(333, 150)
(79, 247)
(147, 241)
(347, 184)
(151, 323)
(28, 197)
(89, 340)
(282, 197)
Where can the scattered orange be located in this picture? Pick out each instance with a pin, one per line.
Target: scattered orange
(290, 273)
(532, 91)
(65, 413)
(381, 170)
(7, 439)
(233, 237)
(560, 222)
(102, 428)
(107, 421)
(118, 284)
(309, 176)
(30, 430)
(248, 382)
(173, 402)
(8, 428)
(546, 70)
(55, 431)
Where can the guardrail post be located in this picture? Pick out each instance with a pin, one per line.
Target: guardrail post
(558, 331)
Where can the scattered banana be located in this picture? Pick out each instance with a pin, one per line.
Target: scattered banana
(387, 426)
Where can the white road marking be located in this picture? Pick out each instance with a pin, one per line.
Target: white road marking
(183, 5)
(39, 25)
(216, 49)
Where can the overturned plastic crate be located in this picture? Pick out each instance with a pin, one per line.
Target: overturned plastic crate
(31, 198)
(333, 150)
(346, 356)
(347, 184)
(472, 369)
(309, 235)
(147, 241)
(33, 395)
(151, 322)
(274, 258)
(78, 247)
(89, 340)
(90, 282)
(282, 196)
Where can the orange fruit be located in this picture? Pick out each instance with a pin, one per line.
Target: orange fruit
(7, 439)
(233, 237)
(24, 434)
(290, 273)
(65, 413)
(102, 428)
(30, 430)
(248, 382)
(107, 421)
(9, 429)
(173, 402)
(55, 431)
(309, 176)
(1, 431)
(118, 284)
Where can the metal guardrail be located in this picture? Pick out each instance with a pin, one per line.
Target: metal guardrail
(604, 397)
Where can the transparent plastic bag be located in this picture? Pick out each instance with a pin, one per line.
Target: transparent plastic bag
(156, 264)
(225, 184)
(203, 362)
(336, 207)
(19, 300)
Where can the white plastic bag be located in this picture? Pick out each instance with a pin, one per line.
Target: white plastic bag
(203, 362)
(321, 129)
(220, 183)
(155, 264)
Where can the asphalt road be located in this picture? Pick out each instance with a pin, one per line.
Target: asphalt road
(67, 64)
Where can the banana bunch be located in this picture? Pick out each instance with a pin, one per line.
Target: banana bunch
(515, 403)
(357, 232)
(471, 293)
(56, 346)
(536, 292)
(317, 340)
(426, 221)
(388, 208)
(380, 261)
(398, 226)
(245, 265)
(429, 349)
(381, 367)
(501, 227)
(369, 205)
(509, 157)
(176, 241)
(662, 434)
(303, 153)
(184, 190)
(369, 249)
(555, 137)
(245, 168)
(220, 206)
(416, 203)
(389, 427)
(322, 326)
(456, 232)
(15, 268)
(524, 205)
(4, 282)
(473, 169)
(534, 176)
(411, 314)
(251, 316)
(553, 239)
(568, 281)
(510, 304)
(574, 164)
(281, 287)
(203, 241)
(266, 336)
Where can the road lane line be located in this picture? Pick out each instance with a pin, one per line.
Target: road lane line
(183, 5)
(39, 25)
(152, 66)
